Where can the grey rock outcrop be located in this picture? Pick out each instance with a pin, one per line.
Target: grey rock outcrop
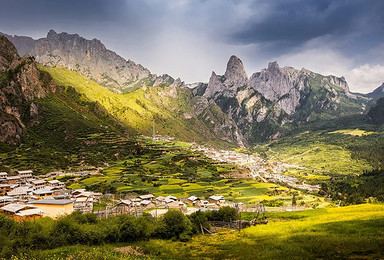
(276, 96)
(21, 82)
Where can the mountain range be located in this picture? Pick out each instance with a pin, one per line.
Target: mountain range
(230, 108)
(90, 58)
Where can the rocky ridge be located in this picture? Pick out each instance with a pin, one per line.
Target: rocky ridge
(276, 97)
(90, 58)
(377, 93)
(253, 108)
(21, 82)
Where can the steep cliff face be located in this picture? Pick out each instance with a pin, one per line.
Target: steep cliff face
(90, 58)
(276, 97)
(21, 82)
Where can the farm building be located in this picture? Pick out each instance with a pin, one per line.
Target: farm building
(5, 200)
(25, 175)
(54, 208)
(20, 212)
(38, 184)
(4, 188)
(147, 197)
(123, 206)
(13, 179)
(43, 193)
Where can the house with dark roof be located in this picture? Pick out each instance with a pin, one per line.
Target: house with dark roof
(54, 208)
(42, 193)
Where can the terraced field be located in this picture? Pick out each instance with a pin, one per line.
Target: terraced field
(170, 169)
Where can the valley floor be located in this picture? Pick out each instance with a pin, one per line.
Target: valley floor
(355, 232)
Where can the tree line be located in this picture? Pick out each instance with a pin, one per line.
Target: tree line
(86, 229)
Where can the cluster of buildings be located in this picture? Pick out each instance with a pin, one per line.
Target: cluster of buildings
(186, 205)
(24, 196)
(229, 156)
(259, 168)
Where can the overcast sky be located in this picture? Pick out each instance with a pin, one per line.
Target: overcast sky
(191, 38)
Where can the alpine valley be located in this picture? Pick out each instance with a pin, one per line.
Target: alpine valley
(295, 143)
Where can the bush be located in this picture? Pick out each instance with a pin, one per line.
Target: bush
(199, 220)
(174, 225)
(228, 214)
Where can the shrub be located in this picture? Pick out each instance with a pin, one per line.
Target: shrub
(175, 225)
(199, 220)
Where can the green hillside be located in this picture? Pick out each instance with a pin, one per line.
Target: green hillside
(171, 108)
(72, 132)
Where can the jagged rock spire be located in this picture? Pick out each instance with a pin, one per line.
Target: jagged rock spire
(235, 74)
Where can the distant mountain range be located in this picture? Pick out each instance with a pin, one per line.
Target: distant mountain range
(90, 58)
(174, 109)
(272, 101)
(232, 107)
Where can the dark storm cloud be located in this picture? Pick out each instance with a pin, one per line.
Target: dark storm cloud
(77, 16)
(190, 38)
(298, 21)
(50, 11)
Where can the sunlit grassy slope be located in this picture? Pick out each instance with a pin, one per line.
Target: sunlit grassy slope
(72, 132)
(138, 109)
(325, 153)
(349, 232)
(354, 132)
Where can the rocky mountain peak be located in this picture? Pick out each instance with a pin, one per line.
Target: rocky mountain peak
(273, 66)
(8, 53)
(235, 73)
(381, 88)
(51, 34)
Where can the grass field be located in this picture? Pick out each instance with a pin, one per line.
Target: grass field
(349, 232)
(354, 132)
(354, 232)
(323, 154)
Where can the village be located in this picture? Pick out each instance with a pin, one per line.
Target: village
(27, 197)
(258, 167)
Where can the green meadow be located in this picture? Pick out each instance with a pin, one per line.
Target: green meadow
(353, 232)
(348, 232)
(324, 154)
